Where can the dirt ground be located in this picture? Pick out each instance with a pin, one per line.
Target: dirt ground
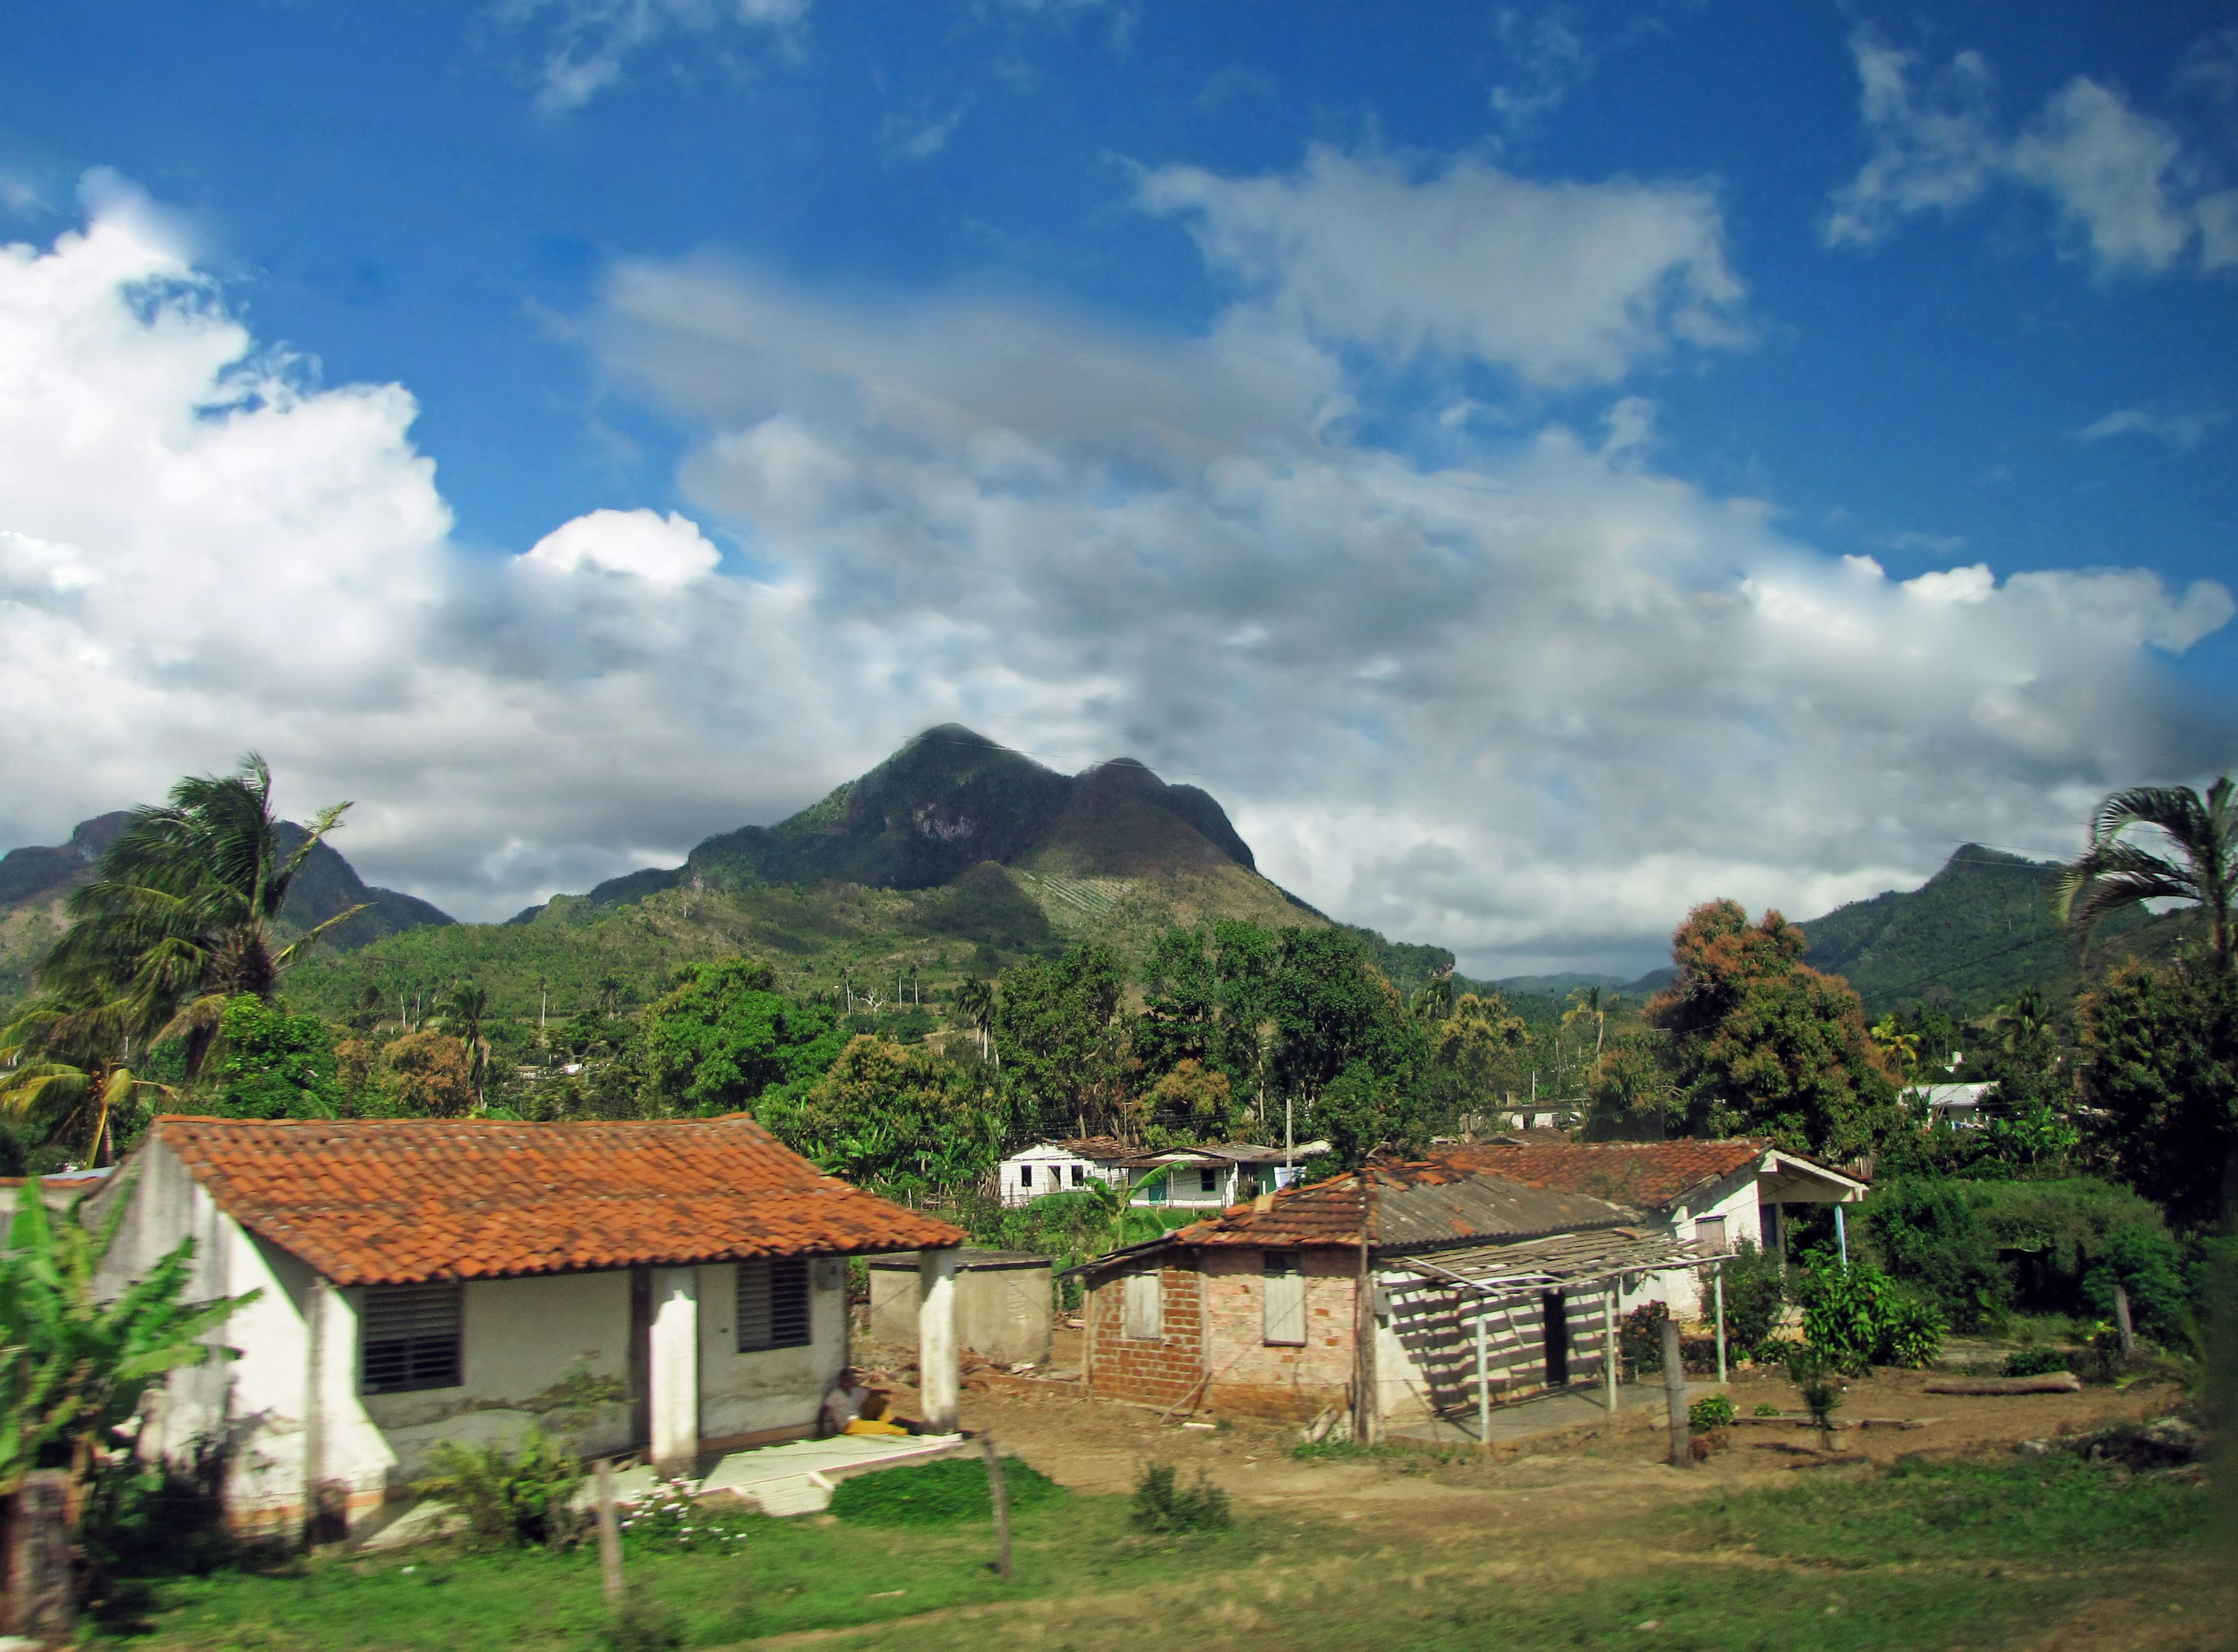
(1564, 1506)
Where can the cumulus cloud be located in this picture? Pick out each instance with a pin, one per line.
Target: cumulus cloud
(589, 42)
(1563, 283)
(2183, 431)
(2126, 194)
(1530, 705)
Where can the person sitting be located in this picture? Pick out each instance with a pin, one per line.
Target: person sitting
(854, 1407)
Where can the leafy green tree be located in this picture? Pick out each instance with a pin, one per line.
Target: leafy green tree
(1929, 1236)
(1363, 1111)
(428, 1076)
(1064, 1044)
(1207, 998)
(975, 1002)
(1477, 1048)
(273, 1065)
(179, 916)
(1632, 1095)
(1763, 1044)
(725, 1035)
(74, 1365)
(898, 1118)
(1191, 1105)
(1333, 1014)
(2115, 874)
(2159, 1070)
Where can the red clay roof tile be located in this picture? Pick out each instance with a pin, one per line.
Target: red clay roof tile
(393, 1201)
(1653, 1175)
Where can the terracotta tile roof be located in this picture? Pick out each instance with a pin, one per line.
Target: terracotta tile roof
(1653, 1175)
(393, 1201)
(1405, 1208)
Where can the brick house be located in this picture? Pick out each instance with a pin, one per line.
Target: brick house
(425, 1280)
(1335, 1295)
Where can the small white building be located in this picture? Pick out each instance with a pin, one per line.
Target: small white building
(1059, 1166)
(422, 1280)
(1960, 1106)
(1215, 1177)
(1712, 1195)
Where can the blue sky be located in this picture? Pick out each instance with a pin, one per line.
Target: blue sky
(1340, 398)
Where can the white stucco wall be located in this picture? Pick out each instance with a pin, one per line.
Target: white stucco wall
(778, 1388)
(1686, 1291)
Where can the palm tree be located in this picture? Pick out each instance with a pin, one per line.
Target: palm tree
(179, 915)
(57, 1066)
(2115, 874)
(975, 1002)
(469, 1005)
(2024, 1028)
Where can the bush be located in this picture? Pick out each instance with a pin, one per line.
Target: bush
(1816, 1376)
(1163, 1506)
(667, 1517)
(1640, 1339)
(1927, 1235)
(523, 1497)
(1756, 1290)
(1714, 1411)
(2148, 1263)
(2035, 1362)
(1858, 1317)
(945, 1493)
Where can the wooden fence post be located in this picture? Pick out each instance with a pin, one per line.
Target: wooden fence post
(610, 1535)
(1674, 1396)
(2122, 1326)
(41, 1602)
(999, 1491)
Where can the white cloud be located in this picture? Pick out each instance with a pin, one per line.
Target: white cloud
(589, 42)
(1564, 283)
(2178, 430)
(1530, 705)
(1939, 544)
(2120, 182)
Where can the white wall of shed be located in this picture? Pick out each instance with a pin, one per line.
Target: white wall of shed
(778, 1388)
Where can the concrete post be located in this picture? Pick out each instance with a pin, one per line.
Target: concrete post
(675, 1374)
(1608, 1345)
(1719, 1278)
(938, 1376)
(330, 1411)
(1483, 1379)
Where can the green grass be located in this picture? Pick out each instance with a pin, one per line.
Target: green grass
(1984, 1553)
(938, 1494)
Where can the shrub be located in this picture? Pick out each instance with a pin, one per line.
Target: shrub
(1764, 1408)
(1857, 1317)
(945, 1493)
(2148, 1263)
(667, 1517)
(1927, 1235)
(1163, 1506)
(1639, 1338)
(1756, 1290)
(644, 1625)
(523, 1497)
(1817, 1377)
(2035, 1362)
(1713, 1411)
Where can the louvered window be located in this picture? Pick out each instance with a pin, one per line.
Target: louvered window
(1145, 1307)
(773, 1303)
(409, 1334)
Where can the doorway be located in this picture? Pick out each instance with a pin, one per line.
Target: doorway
(1554, 1319)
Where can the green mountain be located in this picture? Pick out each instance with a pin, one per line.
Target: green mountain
(955, 856)
(36, 883)
(1970, 938)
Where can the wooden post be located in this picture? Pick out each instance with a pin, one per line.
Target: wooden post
(999, 1491)
(1674, 1396)
(41, 1602)
(1483, 1380)
(2121, 1325)
(1717, 1280)
(1608, 1343)
(610, 1535)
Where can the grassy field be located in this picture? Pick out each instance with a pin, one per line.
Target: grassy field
(1979, 1553)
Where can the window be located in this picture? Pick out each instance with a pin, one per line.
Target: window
(773, 1303)
(1079, 1175)
(1146, 1308)
(1710, 1234)
(1025, 1175)
(1208, 1181)
(409, 1335)
(1286, 1298)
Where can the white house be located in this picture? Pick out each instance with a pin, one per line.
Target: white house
(1058, 1166)
(421, 1280)
(1959, 1105)
(1215, 1177)
(1712, 1193)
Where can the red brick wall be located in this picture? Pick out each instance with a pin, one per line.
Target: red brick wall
(1250, 1377)
(1164, 1372)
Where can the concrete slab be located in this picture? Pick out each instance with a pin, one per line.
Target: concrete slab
(798, 1477)
(1549, 1414)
